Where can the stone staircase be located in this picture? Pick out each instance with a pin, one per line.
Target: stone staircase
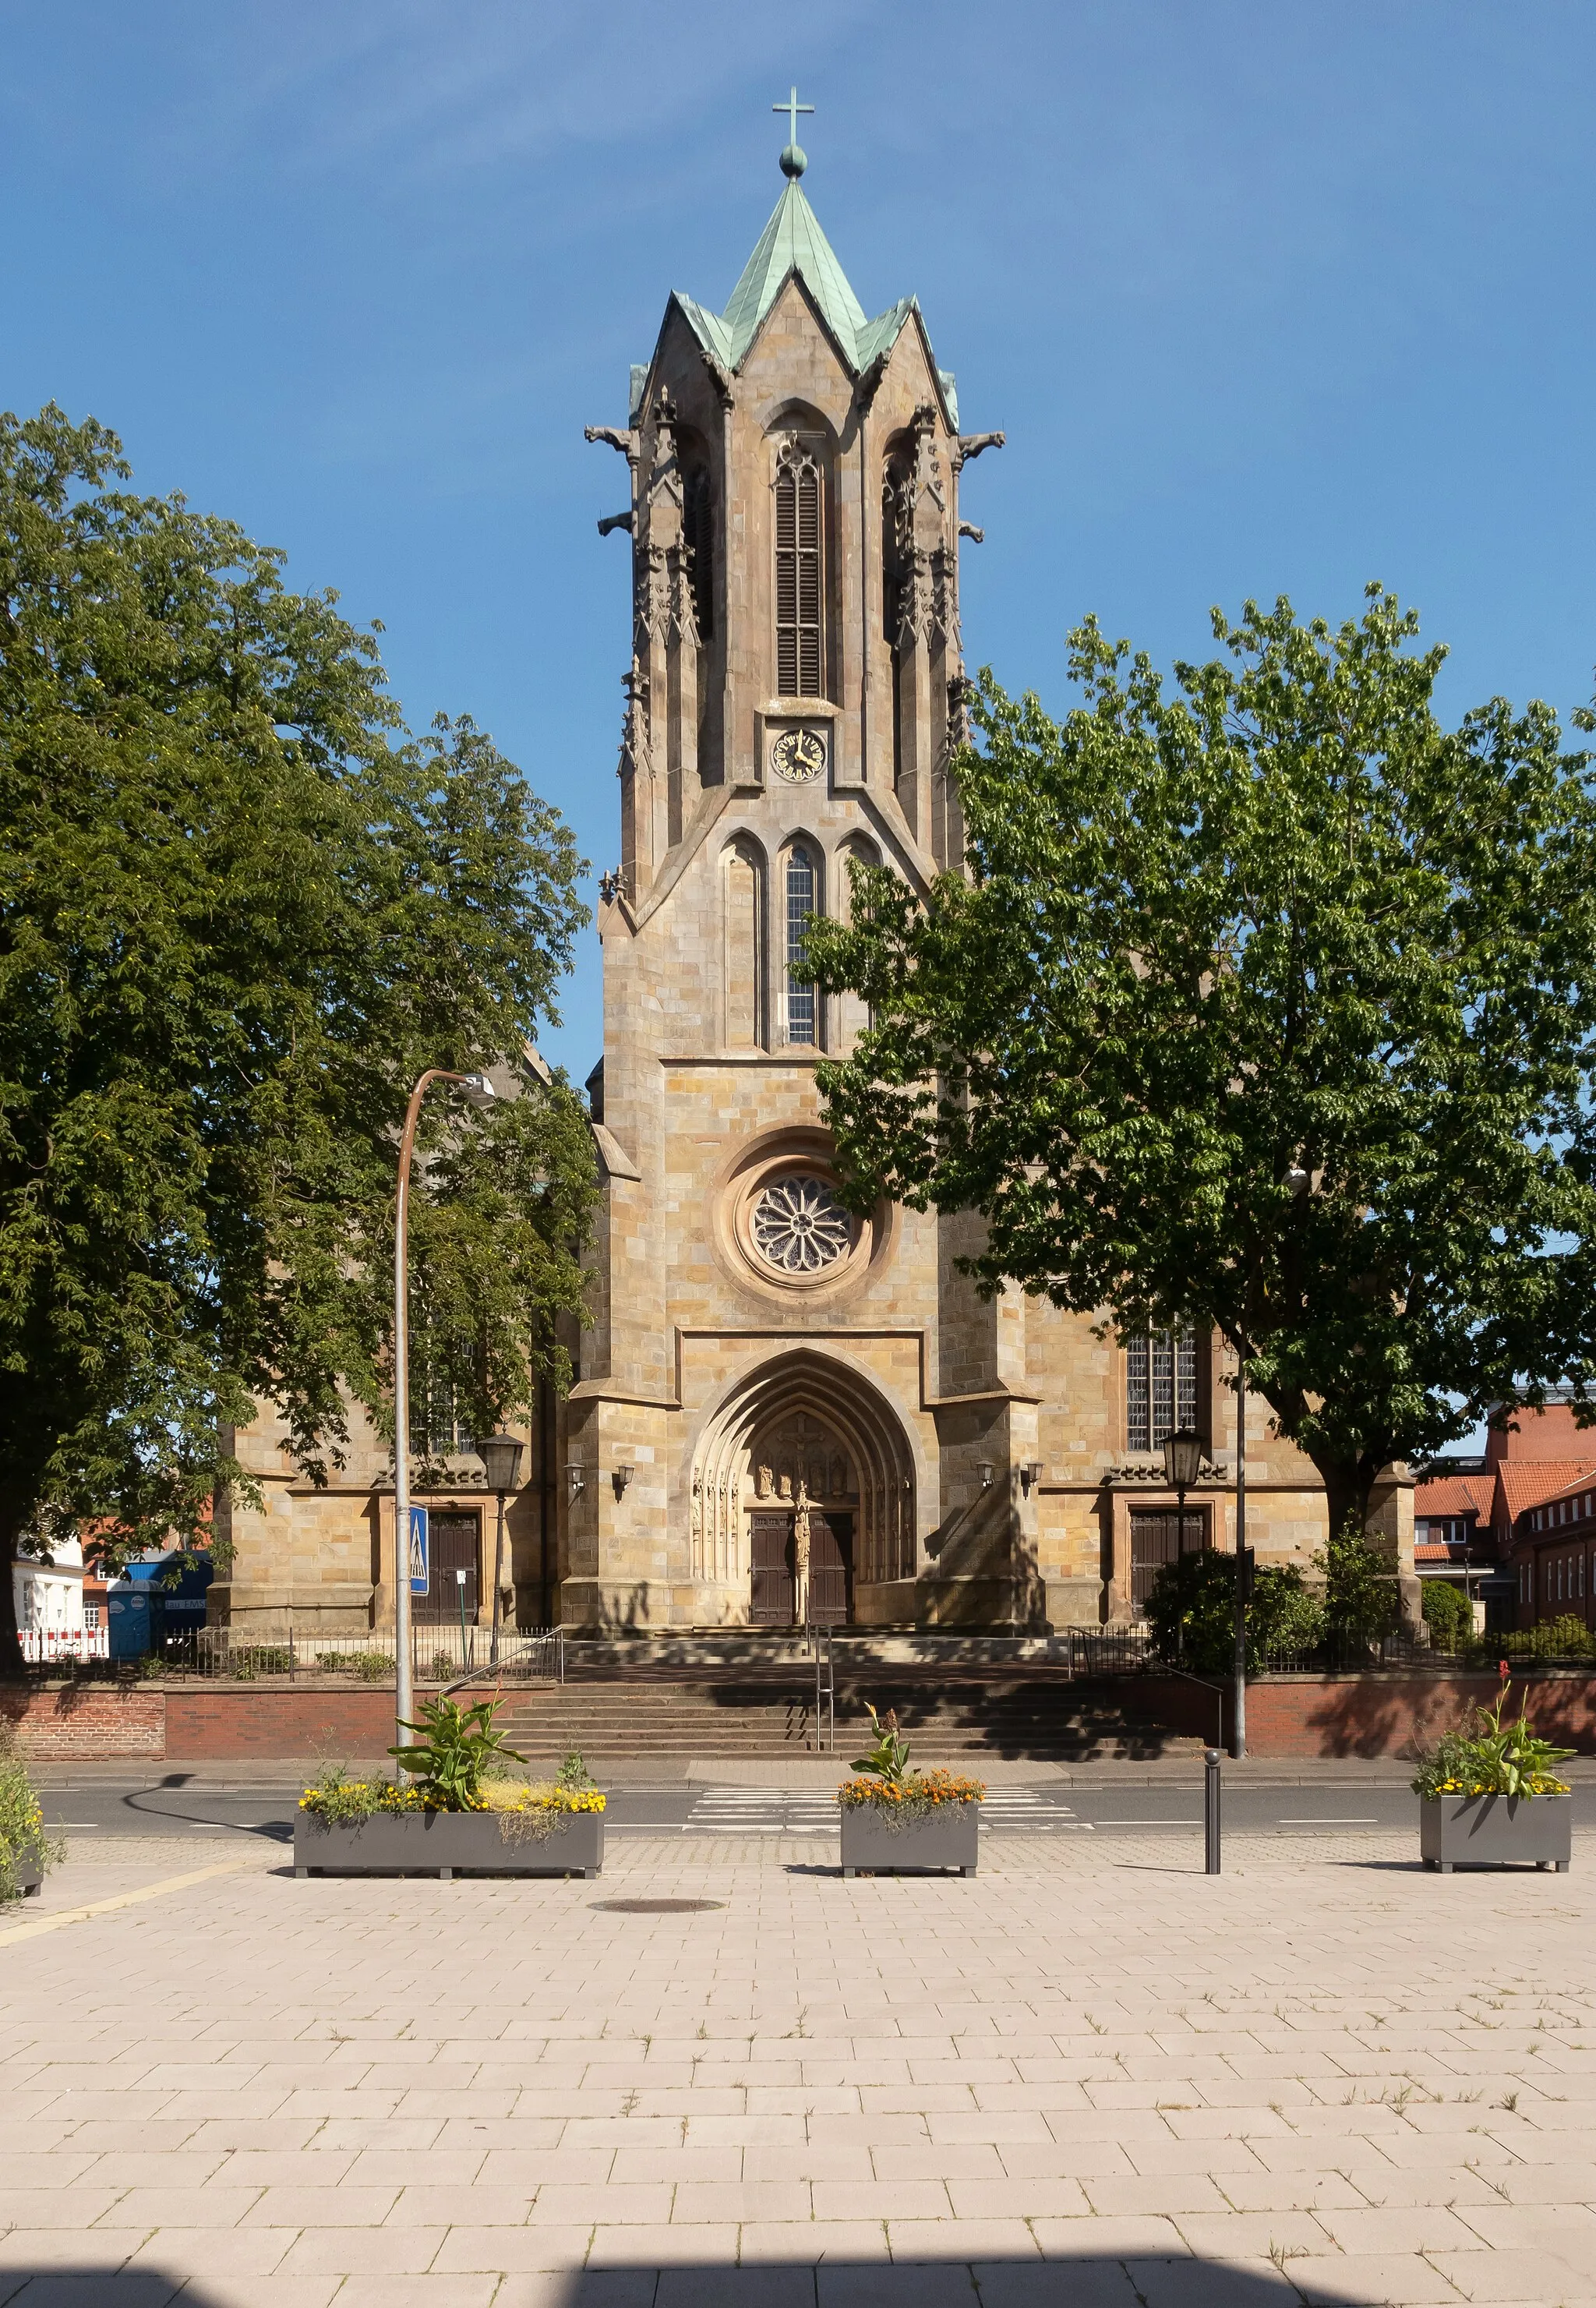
(613, 1709)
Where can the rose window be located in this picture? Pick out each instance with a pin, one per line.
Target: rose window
(800, 1226)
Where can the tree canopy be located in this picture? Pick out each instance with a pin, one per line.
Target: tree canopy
(1265, 1001)
(241, 908)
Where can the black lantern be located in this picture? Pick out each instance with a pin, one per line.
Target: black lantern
(1182, 1458)
(501, 1455)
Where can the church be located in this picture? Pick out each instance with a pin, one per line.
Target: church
(780, 1413)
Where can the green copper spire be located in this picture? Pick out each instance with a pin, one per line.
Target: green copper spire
(792, 242)
(792, 246)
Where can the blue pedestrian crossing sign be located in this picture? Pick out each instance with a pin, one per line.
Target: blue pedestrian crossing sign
(419, 1575)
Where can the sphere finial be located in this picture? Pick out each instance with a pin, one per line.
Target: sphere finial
(795, 159)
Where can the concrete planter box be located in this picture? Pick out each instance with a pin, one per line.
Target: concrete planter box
(446, 1843)
(28, 1870)
(1495, 1831)
(948, 1837)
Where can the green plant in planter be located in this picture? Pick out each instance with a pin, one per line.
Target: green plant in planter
(1487, 1757)
(897, 1796)
(889, 1758)
(456, 1749)
(21, 1826)
(573, 1771)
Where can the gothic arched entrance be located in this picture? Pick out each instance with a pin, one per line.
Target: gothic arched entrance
(803, 1494)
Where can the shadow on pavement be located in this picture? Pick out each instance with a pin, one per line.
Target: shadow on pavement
(1068, 2282)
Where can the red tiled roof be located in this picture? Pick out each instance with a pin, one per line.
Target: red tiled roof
(1530, 1483)
(1455, 1495)
(1438, 1553)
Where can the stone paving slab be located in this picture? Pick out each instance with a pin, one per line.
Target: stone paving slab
(1088, 2074)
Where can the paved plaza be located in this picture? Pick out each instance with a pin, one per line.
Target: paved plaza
(1088, 2076)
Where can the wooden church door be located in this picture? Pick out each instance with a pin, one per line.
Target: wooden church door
(771, 1547)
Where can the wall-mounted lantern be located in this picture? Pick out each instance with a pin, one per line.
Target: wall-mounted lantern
(984, 1468)
(620, 1476)
(576, 1478)
(1030, 1476)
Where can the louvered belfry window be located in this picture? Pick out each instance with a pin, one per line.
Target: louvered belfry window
(798, 575)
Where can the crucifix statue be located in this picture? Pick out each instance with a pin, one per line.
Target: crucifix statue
(795, 159)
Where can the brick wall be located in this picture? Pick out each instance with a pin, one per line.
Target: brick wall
(72, 1723)
(215, 1722)
(1302, 1716)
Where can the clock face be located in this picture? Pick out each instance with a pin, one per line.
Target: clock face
(798, 756)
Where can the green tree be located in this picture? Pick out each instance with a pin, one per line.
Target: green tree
(1267, 1002)
(240, 909)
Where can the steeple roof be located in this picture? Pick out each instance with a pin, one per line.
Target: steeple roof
(793, 245)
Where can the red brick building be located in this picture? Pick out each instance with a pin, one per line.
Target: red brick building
(1489, 1524)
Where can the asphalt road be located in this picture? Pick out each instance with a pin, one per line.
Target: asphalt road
(214, 1813)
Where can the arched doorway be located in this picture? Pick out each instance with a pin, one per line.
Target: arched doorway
(802, 1494)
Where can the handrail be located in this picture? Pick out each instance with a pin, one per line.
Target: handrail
(819, 1640)
(517, 1653)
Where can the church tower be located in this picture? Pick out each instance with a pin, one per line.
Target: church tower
(780, 1411)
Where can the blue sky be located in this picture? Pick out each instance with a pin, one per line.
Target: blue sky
(1267, 299)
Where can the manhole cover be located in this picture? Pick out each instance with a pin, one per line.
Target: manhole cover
(655, 1907)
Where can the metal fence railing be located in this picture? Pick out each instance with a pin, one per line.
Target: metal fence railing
(289, 1648)
(1104, 1650)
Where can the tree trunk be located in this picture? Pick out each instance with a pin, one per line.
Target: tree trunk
(11, 1648)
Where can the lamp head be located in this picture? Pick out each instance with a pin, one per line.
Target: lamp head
(576, 1478)
(620, 1476)
(501, 1455)
(479, 1091)
(1182, 1457)
(984, 1469)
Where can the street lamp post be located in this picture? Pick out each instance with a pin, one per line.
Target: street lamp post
(1243, 1568)
(1182, 1463)
(501, 1456)
(480, 1091)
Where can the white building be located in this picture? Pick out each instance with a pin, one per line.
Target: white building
(49, 1603)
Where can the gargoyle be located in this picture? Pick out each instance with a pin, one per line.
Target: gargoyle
(626, 441)
(971, 445)
(614, 521)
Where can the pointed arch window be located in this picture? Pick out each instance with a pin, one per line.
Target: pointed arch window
(800, 904)
(799, 572)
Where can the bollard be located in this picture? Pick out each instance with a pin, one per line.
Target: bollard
(1211, 1812)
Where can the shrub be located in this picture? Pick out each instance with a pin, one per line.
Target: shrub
(1566, 1637)
(1447, 1614)
(261, 1658)
(1191, 1611)
(1359, 1591)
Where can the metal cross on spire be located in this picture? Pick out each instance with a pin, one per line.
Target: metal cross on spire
(795, 159)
